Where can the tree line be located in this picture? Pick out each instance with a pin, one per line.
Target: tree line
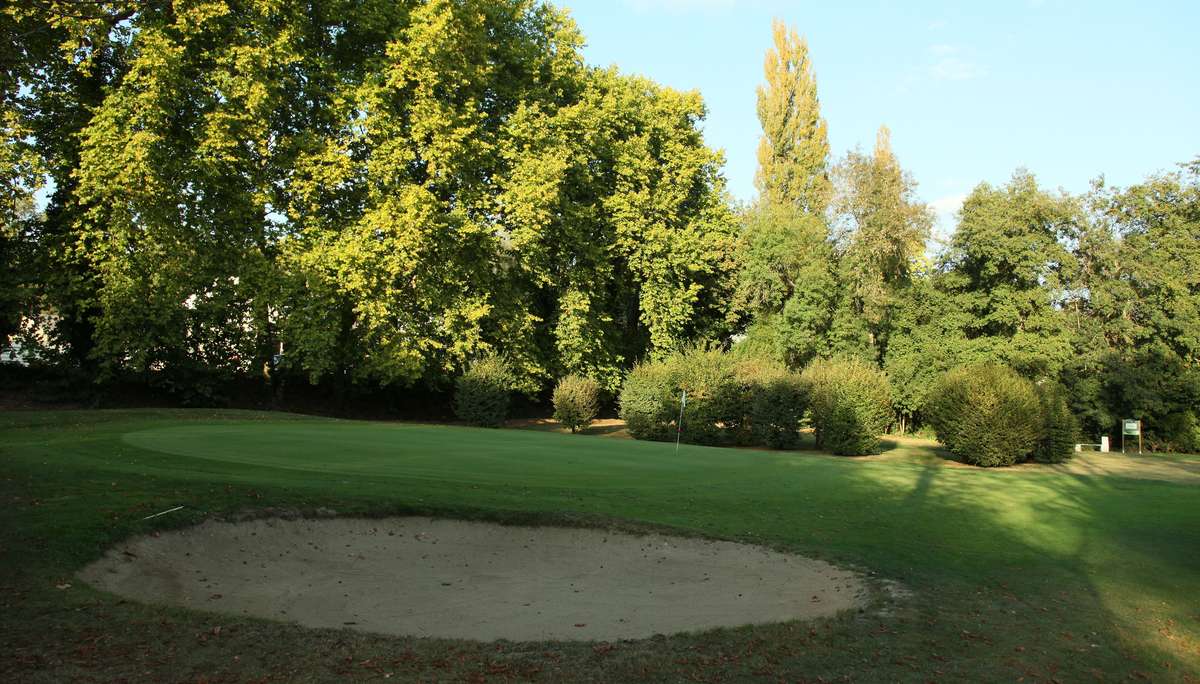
(362, 194)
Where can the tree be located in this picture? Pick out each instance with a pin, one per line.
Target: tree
(793, 152)
(495, 195)
(884, 239)
(185, 175)
(64, 57)
(1005, 268)
(1135, 309)
(925, 340)
(786, 283)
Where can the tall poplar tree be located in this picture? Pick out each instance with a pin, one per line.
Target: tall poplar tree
(793, 152)
(785, 281)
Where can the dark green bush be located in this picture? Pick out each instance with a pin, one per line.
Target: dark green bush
(1060, 428)
(850, 404)
(482, 394)
(774, 403)
(986, 414)
(576, 401)
(646, 398)
(1178, 432)
(729, 400)
(714, 410)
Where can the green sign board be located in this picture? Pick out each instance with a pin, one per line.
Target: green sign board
(1132, 427)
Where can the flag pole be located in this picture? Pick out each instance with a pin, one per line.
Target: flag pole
(679, 423)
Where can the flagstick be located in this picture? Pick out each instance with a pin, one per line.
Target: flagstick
(679, 423)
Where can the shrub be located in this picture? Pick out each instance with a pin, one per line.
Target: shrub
(482, 394)
(645, 400)
(850, 404)
(576, 401)
(1178, 432)
(714, 412)
(729, 400)
(986, 414)
(774, 403)
(1059, 428)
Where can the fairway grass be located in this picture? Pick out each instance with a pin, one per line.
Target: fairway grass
(1041, 573)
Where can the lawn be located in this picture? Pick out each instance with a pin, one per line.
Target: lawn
(1034, 573)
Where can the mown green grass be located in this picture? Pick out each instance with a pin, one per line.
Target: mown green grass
(1034, 574)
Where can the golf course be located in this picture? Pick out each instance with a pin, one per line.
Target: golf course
(1035, 573)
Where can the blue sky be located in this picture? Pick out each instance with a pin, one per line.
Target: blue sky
(971, 91)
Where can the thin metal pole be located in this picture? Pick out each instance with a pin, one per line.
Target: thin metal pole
(679, 423)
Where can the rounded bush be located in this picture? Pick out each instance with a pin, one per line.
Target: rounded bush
(850, 405)
(774, 401)
(482, 394)
(576, 401)
(1060, 428)
(985, 414)
(714, 411)
(646, 401)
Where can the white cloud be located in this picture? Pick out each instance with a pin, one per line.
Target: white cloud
(949, 204)
(950, 64)
(945, 208)
(956, 69)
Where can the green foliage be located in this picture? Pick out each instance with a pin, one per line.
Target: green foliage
(774, 402)
(986, 415)
(483, 393)
(730, 400)
(925, 341)
(1059, 427)
(646, 400)
(793, 152)
(576, 401)
(850, 405)
(883, 244)
(387, 189)
(785, 282)
(1006, 269)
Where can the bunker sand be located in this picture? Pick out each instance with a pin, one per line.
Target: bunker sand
(468, 580)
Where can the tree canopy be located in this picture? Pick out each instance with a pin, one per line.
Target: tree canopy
(362, 194)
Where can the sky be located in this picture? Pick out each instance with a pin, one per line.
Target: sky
(972, 91)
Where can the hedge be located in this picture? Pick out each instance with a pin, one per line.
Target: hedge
(850, 405)
(729, 400)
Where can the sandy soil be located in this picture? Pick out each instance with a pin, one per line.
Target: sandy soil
(444, 578)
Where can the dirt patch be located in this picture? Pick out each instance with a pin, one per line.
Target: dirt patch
(456, 579)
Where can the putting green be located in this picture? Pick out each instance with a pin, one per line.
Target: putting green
(439, 452)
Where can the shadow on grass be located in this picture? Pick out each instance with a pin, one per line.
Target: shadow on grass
(1038, 575)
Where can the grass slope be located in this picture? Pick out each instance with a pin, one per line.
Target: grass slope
(1035, 573)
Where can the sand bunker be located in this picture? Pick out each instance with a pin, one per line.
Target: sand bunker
(445, 578)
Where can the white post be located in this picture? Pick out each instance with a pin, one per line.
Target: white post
(1104, 443)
